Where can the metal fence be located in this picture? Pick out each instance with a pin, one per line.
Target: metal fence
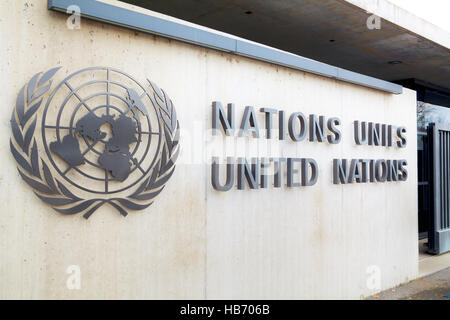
(439, 160)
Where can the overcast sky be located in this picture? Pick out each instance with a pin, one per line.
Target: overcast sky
(434, 11)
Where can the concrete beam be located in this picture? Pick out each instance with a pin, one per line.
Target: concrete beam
(119, 16)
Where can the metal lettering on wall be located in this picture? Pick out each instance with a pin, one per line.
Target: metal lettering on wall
(298, 127)
(104, 139)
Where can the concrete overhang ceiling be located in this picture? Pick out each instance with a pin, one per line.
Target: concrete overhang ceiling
(330, 31)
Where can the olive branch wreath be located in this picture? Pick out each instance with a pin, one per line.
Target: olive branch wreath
(51, 190)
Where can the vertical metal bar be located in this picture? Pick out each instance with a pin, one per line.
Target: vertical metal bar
(431, 184)
(426, 172)
(437, 180)
(443, 200)
(444, 175)
(444, 179)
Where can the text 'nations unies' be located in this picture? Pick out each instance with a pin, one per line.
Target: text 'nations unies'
(303, 172)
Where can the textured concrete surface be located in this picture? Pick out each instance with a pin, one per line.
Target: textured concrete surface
(194, 242)
(431, 287)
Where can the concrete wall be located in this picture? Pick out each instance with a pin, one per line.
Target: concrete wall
(195, 242)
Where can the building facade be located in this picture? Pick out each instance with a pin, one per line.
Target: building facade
(272, 176)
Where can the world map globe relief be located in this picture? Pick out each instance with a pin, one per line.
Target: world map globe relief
(101, 130)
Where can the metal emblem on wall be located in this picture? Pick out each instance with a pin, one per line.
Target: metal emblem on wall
(104, 139)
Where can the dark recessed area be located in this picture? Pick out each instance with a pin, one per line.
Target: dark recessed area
(394, 62)
(332, 40)
(305, 28)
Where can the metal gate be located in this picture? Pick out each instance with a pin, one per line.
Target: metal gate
(439, 174)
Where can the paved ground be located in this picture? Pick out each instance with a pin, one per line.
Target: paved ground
(432, 287)
(429, 263)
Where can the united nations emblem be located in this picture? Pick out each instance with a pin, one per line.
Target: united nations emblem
(104, 139)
